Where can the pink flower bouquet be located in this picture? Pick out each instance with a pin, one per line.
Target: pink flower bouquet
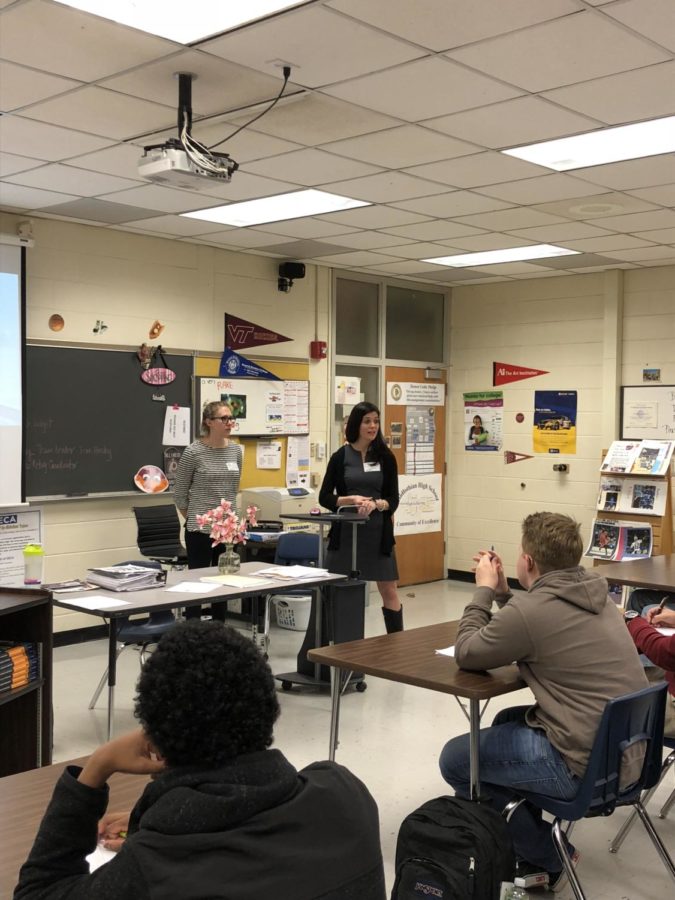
(226, 526)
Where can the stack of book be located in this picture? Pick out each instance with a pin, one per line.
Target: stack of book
(126, 578)
(18, 665)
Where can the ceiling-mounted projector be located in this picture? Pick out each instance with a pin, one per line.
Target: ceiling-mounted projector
(170, 164)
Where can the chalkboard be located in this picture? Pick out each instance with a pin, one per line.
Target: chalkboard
(648, 412)
(91, 422)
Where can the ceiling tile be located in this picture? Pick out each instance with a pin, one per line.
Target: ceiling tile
(586, 46)
(386, 187)
(157, 198)
(627, 97)
(321, 46)
(407, 267)
(594, 206)
(432, 231)
(577, 262)
(305, 249)
(93, 210)
(454, 203)
(10, 164)
(489, 241)
(247, 187)
(660, 235)
(546, 188)
(97, 111)
(374, 217)
(245, 237)
(356, 258)
(477, 170)
(47, 141)
(396, 148)
(653, 18)
(642, 254)
(64, 41)
(523, 120)
(119, 159)
(21, 197)
(310, 167)
(403, 91)
(609, 244)
(663, 194)
(428, 23)
(178, 226)
(658, 218)
(366, 240)
(308, 228)
(567, 233)
(633, 173)
(508, 219)
(22, 86)
(70, 180)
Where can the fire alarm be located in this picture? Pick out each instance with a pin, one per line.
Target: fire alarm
(317, 350)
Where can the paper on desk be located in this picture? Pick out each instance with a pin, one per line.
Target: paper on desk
(192, 587)
(97, 602)
(447, 651)
(293, 572)
(666, 632)
(99, 857)
(240, 581)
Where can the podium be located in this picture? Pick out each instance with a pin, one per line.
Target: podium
(337, 611)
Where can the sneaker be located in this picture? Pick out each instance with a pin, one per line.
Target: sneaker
(558, 880)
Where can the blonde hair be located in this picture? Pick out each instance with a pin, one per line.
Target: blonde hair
(209, 412)
(552, 540)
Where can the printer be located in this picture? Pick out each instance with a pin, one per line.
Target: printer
(274, 502)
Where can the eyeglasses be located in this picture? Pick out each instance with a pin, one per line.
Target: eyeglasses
(226, 420)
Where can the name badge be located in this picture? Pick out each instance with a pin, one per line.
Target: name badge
(232, 467)
(372, 467)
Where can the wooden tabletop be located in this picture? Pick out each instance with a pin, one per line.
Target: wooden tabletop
(410, 657)
(23, 800)
(656, 573)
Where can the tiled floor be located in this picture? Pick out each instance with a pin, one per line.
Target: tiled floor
(391, 736)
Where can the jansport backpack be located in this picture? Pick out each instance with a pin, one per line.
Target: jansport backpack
(452, 849)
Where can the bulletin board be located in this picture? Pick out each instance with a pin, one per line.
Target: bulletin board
(261, 407)
(648, 412)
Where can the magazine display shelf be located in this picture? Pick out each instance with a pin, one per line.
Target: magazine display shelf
(662, 526)
(26, 712)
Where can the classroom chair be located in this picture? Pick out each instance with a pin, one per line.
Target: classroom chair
(138, 633)
(633, 717)
(158, 535)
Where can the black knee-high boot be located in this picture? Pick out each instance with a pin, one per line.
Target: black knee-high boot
(393, 619)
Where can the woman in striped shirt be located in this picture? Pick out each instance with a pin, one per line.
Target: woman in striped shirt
(208, 471)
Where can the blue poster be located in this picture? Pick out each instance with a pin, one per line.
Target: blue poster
(232, 365)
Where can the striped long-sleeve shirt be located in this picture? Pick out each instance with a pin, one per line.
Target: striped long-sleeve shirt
(205, 476)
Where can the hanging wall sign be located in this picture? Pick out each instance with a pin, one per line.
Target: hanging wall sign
(505, 373)
(240, 334)
(232, 365)
(415, 393)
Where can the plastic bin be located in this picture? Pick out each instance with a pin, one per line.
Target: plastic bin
(293, 612)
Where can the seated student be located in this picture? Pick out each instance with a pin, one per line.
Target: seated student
(224, 816)
(658, 648)
(573, 651)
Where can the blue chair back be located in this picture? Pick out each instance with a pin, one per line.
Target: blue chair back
(297, 548)
(626, 720)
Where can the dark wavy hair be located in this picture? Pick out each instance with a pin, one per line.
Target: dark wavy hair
(378, 447)
(206, 695)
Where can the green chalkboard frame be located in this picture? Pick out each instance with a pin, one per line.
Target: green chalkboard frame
(91, 422)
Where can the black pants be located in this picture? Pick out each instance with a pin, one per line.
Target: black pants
(201, 555)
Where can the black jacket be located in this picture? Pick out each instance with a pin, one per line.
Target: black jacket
(334, 486)
(253, 829)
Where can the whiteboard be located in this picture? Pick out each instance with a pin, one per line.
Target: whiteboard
(648, 412)
(260, 406)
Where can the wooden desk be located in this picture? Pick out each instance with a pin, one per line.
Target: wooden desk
(656, 573)
(410, 657)
(24, 798)
(155, 599)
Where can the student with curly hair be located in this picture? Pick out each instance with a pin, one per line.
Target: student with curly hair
(224, 816)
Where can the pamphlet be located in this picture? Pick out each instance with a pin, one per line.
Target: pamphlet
(638, 457)
(632, 495)
(617, 540)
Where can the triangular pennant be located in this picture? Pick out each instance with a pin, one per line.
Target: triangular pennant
(510, 456)
(240, 334)
(504, 373)
(232, 365)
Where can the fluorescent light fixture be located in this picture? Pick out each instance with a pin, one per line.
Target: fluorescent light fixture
(295, 205)
(596, 148)
(181, 22)
(491, 257)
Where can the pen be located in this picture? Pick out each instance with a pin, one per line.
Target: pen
(664, 600)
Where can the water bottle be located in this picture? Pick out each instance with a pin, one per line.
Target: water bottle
(33, 559)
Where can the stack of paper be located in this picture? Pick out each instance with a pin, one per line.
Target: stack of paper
(126, 578)
(292, 572)
(638, 457)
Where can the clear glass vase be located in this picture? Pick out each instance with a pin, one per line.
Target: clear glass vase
(229, 562)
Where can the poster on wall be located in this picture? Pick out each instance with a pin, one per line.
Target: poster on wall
(17, 528)
(555, 422)
(419, 509)
(483, 420)
(420, 438)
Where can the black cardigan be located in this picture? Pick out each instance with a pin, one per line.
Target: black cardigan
(334, 486)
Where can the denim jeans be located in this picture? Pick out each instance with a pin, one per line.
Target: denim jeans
(514, 756)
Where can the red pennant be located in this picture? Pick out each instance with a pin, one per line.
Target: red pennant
(510, 456)
(240, 334)
(503, 373)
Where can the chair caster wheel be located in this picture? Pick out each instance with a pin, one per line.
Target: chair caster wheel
(286, 686)
(361, 686)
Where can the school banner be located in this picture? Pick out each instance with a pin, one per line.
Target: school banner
(240, 334)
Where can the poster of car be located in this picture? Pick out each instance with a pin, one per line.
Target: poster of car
(555, 422)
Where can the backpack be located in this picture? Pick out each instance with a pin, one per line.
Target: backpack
(453, 849)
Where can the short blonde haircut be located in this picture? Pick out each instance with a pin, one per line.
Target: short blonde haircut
(552, 540)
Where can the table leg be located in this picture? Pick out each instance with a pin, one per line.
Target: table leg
(318, 595)
(335, 694)
(474, 743)
(112, 672)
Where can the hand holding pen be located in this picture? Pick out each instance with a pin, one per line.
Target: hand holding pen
(660, 615)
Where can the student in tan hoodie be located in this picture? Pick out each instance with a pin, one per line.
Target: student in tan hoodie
(573, 651)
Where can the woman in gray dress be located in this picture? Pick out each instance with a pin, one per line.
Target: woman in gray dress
(363, 475)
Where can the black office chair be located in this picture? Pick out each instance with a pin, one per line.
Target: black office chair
(138, 633)
(159, 534)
